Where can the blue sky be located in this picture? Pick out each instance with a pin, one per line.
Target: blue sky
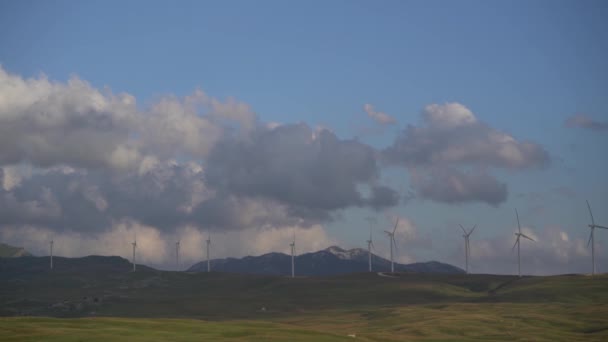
(522, 67)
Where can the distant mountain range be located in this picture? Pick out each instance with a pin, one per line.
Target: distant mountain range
(330, 261)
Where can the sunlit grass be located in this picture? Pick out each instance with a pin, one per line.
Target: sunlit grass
(460, 321)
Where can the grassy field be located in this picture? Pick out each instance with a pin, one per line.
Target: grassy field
(181, 306)
(499, 322)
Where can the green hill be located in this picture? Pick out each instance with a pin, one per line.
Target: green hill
(7, 251)
(179, 306)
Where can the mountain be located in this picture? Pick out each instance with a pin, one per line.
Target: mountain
(330, 261)
(7, 251)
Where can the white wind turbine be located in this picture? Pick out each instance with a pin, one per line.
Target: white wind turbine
(134, 243)
(370, 243)
(519, 234)
(467, 250)
(177, 254)
(208, 246)
(591, 239)
(392, 242)
(51, 245)
(293, 251)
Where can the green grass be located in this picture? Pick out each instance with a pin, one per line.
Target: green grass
(178, 306)
(461, 321)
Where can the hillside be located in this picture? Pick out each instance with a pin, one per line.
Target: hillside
(76, 289)
(7, 251)
(330, 261)
(113, 303)
(29, 265)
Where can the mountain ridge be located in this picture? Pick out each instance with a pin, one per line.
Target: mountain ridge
(333, 260)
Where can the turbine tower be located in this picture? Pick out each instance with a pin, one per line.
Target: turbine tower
(293, 251)
(208, 245)
(467, 245)
(591, 239)
(392, 242)
(370, 244)
(51, 245)
(519, 234)
(177, 255)
(134, 243)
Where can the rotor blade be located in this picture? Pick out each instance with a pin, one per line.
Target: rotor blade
(527, 237)
(464, 230)
(517, 215)
(596, 226)
(471, 232)
(590, 237)
(590, 213)
(396, 223)
(516, 241)
(387, 232)
(394, 244)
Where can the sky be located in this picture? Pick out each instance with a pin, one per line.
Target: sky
(251, 121)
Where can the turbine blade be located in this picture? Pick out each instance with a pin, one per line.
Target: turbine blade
(590, 213)
(396, 223)
(394, 244)
(596, 226)
(527, 237)
(515, 244)
(471, 232)
(590, 237)
(517, 215)
(387, 232)
(464, 230)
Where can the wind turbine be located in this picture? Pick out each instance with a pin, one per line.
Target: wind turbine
(177, 255)
(293, 251)
(370, 243)
(467, 245)
(51, 245)
(134, 243)
(591, 239)
(519, 234)
(208, 261)
(392, 242)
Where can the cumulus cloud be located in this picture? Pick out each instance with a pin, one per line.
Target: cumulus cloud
(450, 185)
(312, 171)
(452, 140)
(47, 123)
(451, 134)
(379, 117)
(586, 122)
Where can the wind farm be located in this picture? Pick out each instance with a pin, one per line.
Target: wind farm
(303, 170)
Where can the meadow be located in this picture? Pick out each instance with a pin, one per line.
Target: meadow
(181, 306)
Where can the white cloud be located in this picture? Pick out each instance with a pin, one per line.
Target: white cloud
(379, 117)
(449, 115)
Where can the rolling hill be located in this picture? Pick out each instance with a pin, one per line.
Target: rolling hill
(7, 251)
